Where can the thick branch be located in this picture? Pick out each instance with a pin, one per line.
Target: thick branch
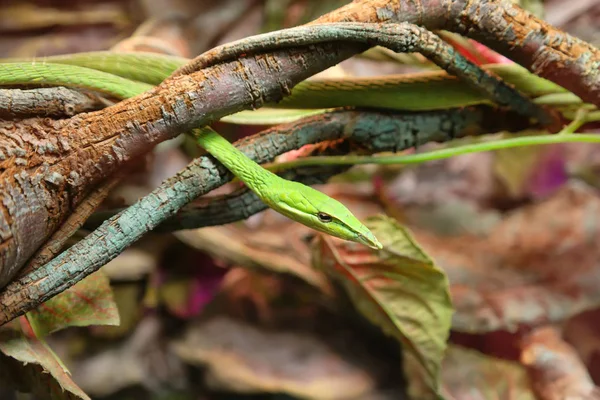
(501, 25)
(56, 102)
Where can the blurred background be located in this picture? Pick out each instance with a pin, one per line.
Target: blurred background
(237, 312)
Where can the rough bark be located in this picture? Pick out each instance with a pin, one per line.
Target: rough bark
(499, 24)
(56, 102)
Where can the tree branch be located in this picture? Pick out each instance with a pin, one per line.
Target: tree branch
(499, 24)
(55, 102)
(375, 130)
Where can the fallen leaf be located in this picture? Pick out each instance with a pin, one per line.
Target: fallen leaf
(583, 333)
(243, 358)
(142, 359)
(29, 365)
(398, 289)
(262, 247)
(470, 375)
(556, 371)
(89, 302)
(538, 265)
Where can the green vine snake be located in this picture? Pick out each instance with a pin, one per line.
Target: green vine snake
(129, 74)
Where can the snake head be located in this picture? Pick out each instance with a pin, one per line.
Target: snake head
(320, 212)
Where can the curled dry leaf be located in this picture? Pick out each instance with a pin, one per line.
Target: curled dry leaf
(243, 358)
(470, 375)
(398, 289)
(556, 370)
(28, 365)
(89, 302)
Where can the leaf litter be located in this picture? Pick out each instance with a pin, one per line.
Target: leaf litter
(490, 243)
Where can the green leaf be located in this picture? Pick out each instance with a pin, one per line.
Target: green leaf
(398, 289)
(89, 302)
(29, 365)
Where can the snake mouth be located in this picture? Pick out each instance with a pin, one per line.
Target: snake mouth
(370, 240)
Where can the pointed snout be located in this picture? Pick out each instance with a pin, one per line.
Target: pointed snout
(368, 239)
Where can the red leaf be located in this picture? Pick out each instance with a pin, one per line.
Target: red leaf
(90, 302)
(399, 289)
(29, 365)
(555, 369)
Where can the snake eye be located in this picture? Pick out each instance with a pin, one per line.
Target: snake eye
(324, 217)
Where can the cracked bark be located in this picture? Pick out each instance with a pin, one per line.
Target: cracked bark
(49, 176)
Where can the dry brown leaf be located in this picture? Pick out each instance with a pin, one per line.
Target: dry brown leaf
(470, 375)
(556, 371)
(243, 358)
(263, 247)
(259, 243)
(538, 265)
